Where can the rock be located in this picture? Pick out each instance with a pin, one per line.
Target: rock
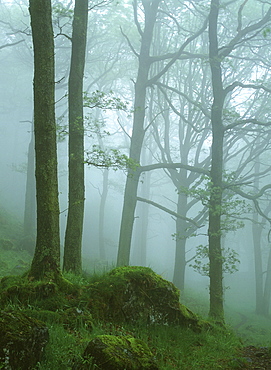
(136, 294)
(112, 352)
(22, 341)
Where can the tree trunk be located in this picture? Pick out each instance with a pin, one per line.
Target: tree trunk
(267, 288)
(46, 261)
(215, 203)
(256, 235)
(30, 192)
(102, 215)
(181, 237)
(74, 229)
(137, 137)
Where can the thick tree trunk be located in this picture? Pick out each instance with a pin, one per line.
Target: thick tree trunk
(215, 204)
(74, 229)
(46, 261)
(131, 186)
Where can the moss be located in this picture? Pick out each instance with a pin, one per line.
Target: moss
(120, 352)
(22, 340)
(45, 294)
(137, 294)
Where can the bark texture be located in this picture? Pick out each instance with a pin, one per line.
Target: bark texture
(74, 229)
(46, 261)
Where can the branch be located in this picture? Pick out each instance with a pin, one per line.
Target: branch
(245, 86)
(12, 44)
(178, 92)
(136, 19)
(239, 27)
(173, 166)
(226, 50)
(168, 211)
(129, 42)
(254, 121)
(177, 55)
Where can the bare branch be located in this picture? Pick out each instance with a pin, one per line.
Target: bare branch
(167, 210)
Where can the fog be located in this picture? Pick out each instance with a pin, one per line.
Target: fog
(177, 129)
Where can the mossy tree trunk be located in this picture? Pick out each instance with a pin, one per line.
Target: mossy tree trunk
(74, 229)
(46, 261)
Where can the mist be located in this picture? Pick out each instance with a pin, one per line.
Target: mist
(169, 136)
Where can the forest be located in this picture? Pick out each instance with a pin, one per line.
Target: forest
(135, 184)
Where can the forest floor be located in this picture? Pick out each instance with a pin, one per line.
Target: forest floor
(257, 357)
(246, 344)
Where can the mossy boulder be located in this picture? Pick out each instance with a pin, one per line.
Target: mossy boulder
(137, 294)
(22, 341)
(111, 352)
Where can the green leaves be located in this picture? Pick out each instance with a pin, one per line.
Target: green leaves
(109, 158)
(100, 99)
(230, 260)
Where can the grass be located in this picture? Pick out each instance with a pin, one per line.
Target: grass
(173, 347)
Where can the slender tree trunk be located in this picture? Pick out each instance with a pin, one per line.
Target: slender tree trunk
(131, 186)
(46, 261)
(256, 235)
(181, 237)
(102, 214)
(74, 229)
(267, 287)
(30, 211)
(215, 204)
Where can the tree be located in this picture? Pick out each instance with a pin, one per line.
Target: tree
(216, 57)
(73, 237)
(30, 198)
(143, 82)
(215, 202)
(46, 261)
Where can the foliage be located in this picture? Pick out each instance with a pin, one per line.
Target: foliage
(105, 101)
(232, 206)
(109, 158)
(230, 260)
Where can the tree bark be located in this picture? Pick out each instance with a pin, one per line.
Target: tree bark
(267, 288)
(74, 229)
(46, 261)
(30, 192)
(137, 137)
(215, 202)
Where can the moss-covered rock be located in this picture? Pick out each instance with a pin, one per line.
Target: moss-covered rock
(111, 352)
(22, 341)
(137, 294)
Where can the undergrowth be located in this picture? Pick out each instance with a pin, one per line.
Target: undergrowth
(173, 348)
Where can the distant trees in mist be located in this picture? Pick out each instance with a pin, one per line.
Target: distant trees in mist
(195, 79)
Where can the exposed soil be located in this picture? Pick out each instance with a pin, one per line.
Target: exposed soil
(257, 358)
